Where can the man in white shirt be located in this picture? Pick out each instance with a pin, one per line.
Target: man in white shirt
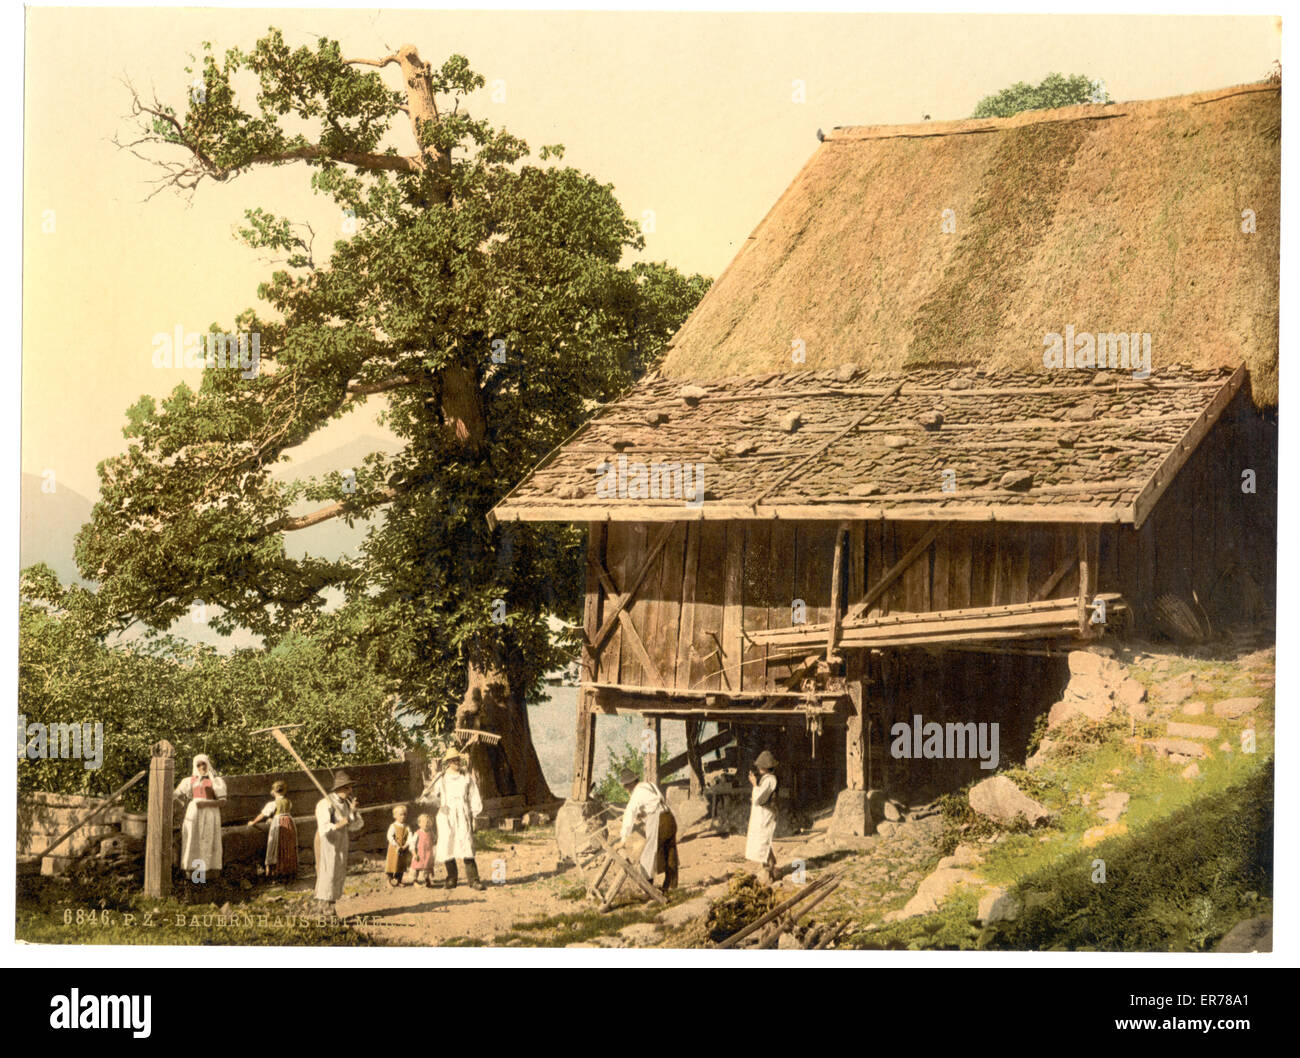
(336, 818)
(647, 802)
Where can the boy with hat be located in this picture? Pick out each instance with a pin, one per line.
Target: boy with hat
(336, 818)
(762, 816)
(646, 801)
(455, 792)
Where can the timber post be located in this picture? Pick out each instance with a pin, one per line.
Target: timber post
(694, 759)
(653, 725)
(584, 748)
(158, 835)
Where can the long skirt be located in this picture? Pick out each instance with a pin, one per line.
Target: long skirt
(282, 848)
(201, 837)
(398, 860)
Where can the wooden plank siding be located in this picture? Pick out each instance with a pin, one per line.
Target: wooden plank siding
(717, 581)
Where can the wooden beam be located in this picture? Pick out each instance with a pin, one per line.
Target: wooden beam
(625, 620)
(1049, 585)
(1083, 581)
(584, 746)
(653, 730)
(158, 832)
(634, 583)
(1156, 485)
(596, 534)
(906, 508)
(837, 599)
(733, 608)
(896, 570)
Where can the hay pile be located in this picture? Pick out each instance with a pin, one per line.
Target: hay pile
(746, 900)
(1126, 217)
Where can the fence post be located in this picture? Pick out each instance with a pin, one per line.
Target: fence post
(158, 836)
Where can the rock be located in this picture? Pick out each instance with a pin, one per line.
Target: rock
(866, 488)
(886, 829)
(934, 890)
(1098, 834)
(1084, 663)
(1194, 709)
(692, 394)
(1252, 934)
(614, 941)
(791, 421)
(892, 812)
(896, 440)
(1082, 413)
(1112, 806)
(1233, 708)
(640, 934)
(962, 856)
(852, 817)
(845, 372)
(655, 418)
(1192, 771)
(1191, 730)
(1178, 750)
(679, 915)
(930, 420)
(997, 905)
(1000, 799)
(1045, 748)
(1130, 694)
(788, 942)
(1177, 690)
(1020, 480)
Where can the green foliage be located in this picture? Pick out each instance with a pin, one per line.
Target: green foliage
(609, 789)
(461, 249)
(1178, 885)
(1053, 91)
(161, 687)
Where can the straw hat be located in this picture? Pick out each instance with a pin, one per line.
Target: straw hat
(765, 760)
(452, 753)
(627, 777)
(341, 779)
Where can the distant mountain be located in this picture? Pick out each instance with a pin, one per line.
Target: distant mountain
(48, 526)
(332, 539)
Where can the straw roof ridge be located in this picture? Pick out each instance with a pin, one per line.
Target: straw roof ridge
(969, 243)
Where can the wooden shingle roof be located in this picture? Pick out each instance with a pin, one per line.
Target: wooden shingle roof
(1063, 446)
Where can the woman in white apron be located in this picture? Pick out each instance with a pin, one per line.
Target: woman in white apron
(205, 791)
(762, 816)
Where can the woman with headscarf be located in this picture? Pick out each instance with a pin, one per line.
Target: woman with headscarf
(762, 816)
(205, 791)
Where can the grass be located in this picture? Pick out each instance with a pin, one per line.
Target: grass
(1189, 859)
(557, 931)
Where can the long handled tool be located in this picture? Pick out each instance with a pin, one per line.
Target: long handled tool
(277, 733)
(103, 805)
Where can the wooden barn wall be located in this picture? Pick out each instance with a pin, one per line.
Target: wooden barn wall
(1205, 531)
(713, 582)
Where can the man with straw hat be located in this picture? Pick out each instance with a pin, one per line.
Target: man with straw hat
(762, 816)
(458, 802)
(646, 801)
(336, 818)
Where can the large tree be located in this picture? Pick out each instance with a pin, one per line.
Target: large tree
(481, 295)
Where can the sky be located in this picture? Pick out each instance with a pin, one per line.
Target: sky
(695, 119)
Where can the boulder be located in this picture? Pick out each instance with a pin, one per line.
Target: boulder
(962, 856)
(1233, 708)
(679, 915)
(893, 812)
(853, 816)
(1178, 750)
(1001, 800)
(1252, 934)
(788, 942)
(1192, 771)
(1194, 709)
(1191, 730)
(1045, 747)
(1112, 806)
(1177, 690)
(997, 905)
(933, 891)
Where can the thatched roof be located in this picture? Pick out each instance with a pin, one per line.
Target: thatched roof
(1063, 446)
(1125, 216)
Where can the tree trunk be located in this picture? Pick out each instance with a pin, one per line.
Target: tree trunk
(511, 767)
